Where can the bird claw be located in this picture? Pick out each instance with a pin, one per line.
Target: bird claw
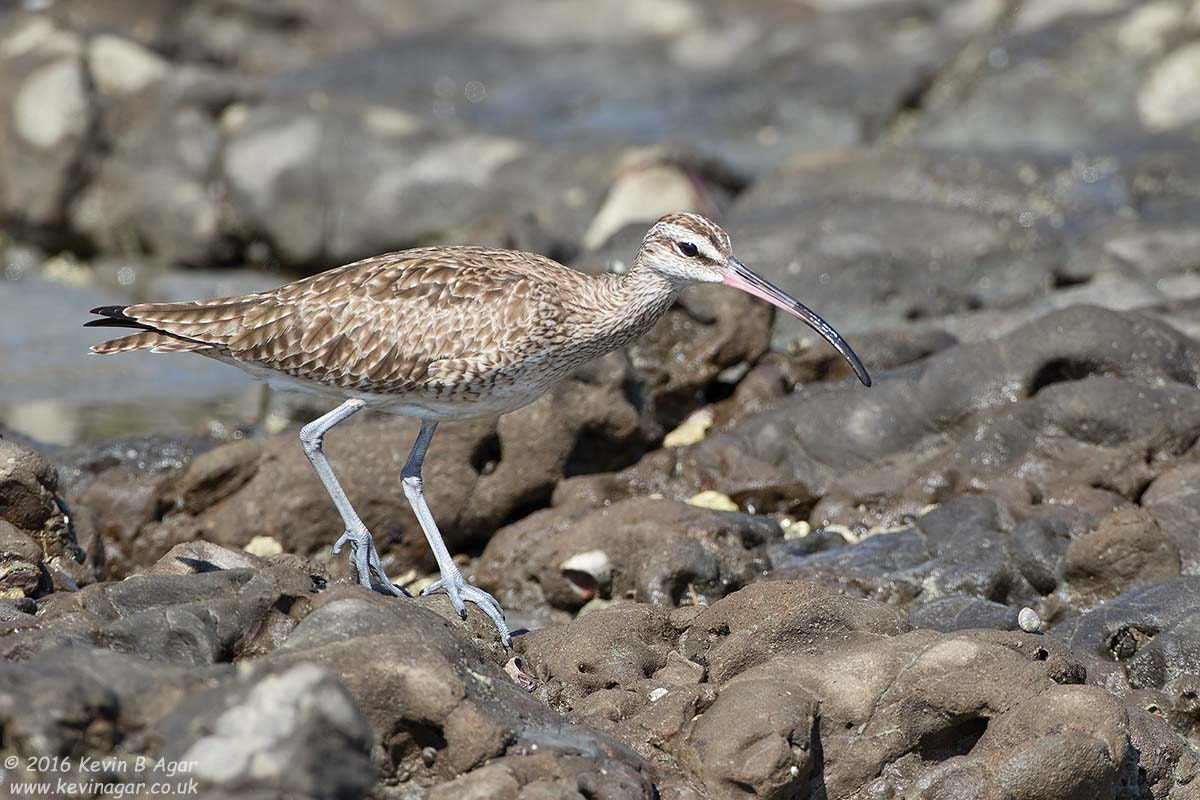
(364, 560)
(458, 590)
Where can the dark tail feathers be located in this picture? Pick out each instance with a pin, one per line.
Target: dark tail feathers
(114, 317)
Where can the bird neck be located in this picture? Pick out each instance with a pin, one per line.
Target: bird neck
(633, 302)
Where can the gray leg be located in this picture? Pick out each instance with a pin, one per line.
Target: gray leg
(452, 580)
(363, 556)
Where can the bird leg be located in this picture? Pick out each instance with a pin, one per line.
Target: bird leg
(452, 581)
(363, 556)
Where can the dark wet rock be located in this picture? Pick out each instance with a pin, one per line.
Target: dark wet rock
(120, 501)
(22, 573)
(152, 455)
(381, 686)
(963, 612)
(840, 698)
(778, 375)
(296, 730)
(960, 548)
(967, 242)
(202, 605)
(708, 331)
(1082, 399)
(654, 551)
(440, 707)
(120, 485)
(1091, 103)
(1151, 633)
(967, 564)
(1127, 549)
(32, 511)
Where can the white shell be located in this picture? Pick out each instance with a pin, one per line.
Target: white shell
(590, 562)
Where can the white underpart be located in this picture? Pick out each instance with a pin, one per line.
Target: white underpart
(500, 401)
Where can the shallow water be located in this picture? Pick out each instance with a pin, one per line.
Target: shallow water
(53, 390)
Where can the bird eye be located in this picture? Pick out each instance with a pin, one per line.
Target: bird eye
(688, 249)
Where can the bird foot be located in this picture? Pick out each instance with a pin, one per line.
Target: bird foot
(364, 559)
(458, 590)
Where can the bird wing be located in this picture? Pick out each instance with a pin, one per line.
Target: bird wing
(427, 318)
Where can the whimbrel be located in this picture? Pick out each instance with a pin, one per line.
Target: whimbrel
(442, 333)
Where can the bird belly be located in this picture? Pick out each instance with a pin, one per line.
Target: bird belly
(500, 398)
(446, 409)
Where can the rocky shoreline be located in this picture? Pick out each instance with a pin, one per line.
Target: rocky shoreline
(734, 572)
(673, 646)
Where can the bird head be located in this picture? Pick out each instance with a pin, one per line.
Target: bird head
(688, 248)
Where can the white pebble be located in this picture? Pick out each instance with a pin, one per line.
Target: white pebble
(1029, 620)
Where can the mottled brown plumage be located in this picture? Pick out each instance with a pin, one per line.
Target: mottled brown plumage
(442, 333)
(420, 327)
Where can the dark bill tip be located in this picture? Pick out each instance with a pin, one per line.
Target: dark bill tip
(739, 276)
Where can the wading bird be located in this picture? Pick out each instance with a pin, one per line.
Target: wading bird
(442, 333)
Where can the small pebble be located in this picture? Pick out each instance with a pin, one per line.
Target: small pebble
(428, 756)
(692, 429)
(795, 529)
(714, 500)
(264, 546)
(1029, 620)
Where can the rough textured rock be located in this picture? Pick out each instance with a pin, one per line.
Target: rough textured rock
(654, 551)
(22, 573)
(1143, 643)
(120, 485)
(440, 706)
(681, 360)
(834, 689)
(968, 242)
(1127, 549)
(38, 536)
(377, 686)
(1064, 401)
(994, 201)
(296, 729)
(209, 616)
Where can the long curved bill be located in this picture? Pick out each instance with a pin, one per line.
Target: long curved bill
(739, 276)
